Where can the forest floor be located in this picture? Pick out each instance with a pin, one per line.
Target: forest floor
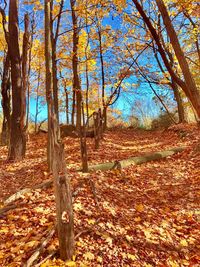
(145, 215)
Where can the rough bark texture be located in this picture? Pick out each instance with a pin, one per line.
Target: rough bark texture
(136, 160)
(64, 210)
(5, 92)
(17, 136)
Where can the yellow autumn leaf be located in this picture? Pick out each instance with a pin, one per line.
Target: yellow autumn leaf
(131, 256)
(4, 230)
(184, 243)
(71, 263)
(173, 263)
(139, 207)
(78, 206)
(89, 256)
(147, 233)
(91, 221)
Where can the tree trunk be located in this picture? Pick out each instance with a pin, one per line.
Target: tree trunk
(105, 118)
(179, 101)
(62, 188)
(37, 102)
(29, 71)
(5, 92)
(83, 144)
(48, 82)
(17, 135)
(73, 106)
(76, 80)
(96, 129)
(25, 50)
(63, 196)
(191, 88)
(67, 105)
(102, 81)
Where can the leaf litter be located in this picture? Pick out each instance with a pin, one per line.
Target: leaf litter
(145, 215)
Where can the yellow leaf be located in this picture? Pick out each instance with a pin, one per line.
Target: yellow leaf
(71, 263)
(89, 256)
(184, 243)
(99, 259)
(78, 206)
(91, 221)
(139, 207)
(131, 257)
(4, 230)
(147, 233)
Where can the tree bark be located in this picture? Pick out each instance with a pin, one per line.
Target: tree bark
(17, 136)
(62, 188)
(37, 102)
(63, 196)
(76, 80)
(25, 49)
(179, 101)
(5, 92)
(48, 82)
(102, 80)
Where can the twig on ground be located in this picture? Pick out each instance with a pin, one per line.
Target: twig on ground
(39, 250)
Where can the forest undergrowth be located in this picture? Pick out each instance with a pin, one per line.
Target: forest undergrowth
(145, 215)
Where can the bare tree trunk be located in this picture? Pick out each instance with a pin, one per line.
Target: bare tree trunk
(76, 80)
(96, 129)
(179, 101)
(48, 82)
(63, 196)
(29, 71)
(73, 106)
(5, 92)
(37, 102)
(77, 89)
(191, 88)
(17, 136)
(25, 50)
(83, 144)
(67, 105)
(54, 39)
(102, 80)
(64, 210)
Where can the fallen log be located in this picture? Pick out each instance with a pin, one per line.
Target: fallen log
(135, 160)
(24, 191)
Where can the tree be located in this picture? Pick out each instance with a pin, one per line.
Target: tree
(62, 188)
(188, 84)
(191, 89)
(17, 135)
